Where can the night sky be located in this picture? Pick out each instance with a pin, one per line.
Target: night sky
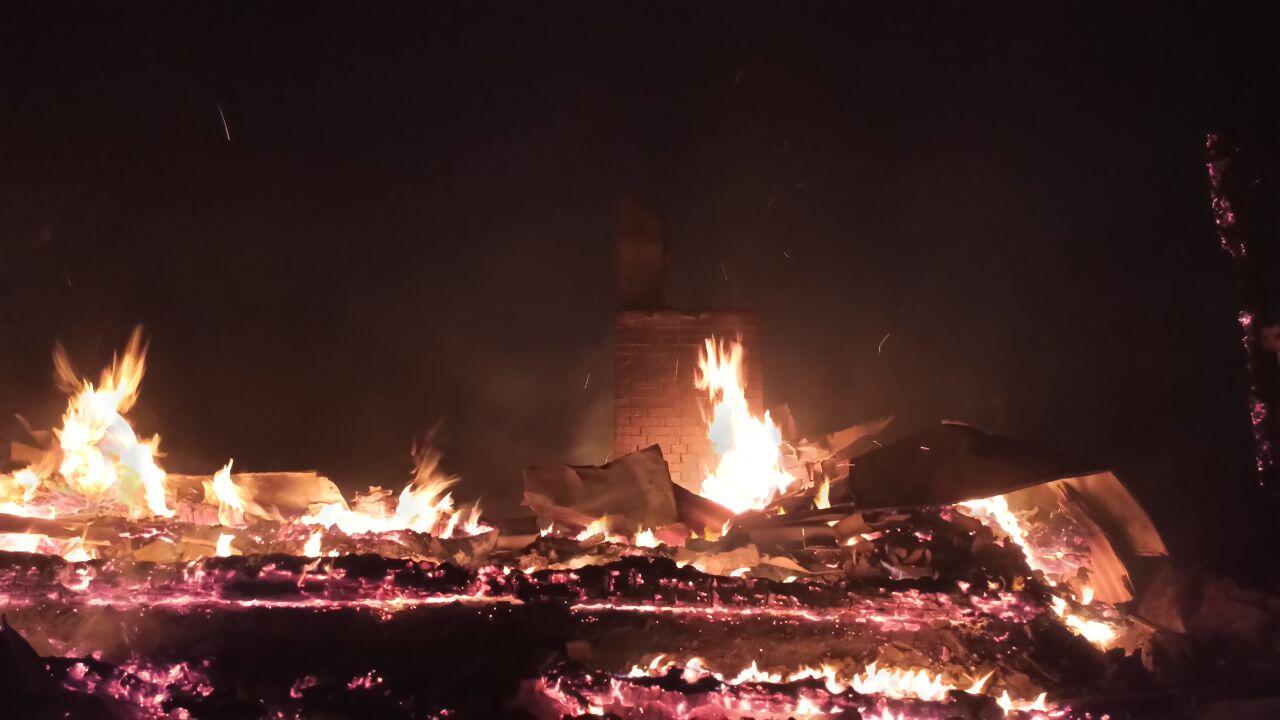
(413, 222)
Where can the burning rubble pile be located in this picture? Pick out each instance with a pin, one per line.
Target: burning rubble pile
(947, 574)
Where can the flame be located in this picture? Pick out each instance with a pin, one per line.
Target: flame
(748, 474)
(312, 547)
(900, 683)
(646, 539)
(822, 500)
(223, 548)
(1009, 705)
(231, 501)
(75, 551)
(22, 542)
(597, 528)
(1099, 633)
(72, 550)
(100, 451)
(424, 506)
(995, 510)
(897, 683)
(19, 487)
(976, 687)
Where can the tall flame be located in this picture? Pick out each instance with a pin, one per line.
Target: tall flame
(231, 502)
(100, 450)
(748, 474)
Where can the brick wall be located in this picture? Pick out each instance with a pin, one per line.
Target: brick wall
(655, 356)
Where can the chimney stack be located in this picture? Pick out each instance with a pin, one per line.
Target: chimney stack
(656, 355)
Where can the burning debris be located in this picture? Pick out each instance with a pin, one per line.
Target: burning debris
(949, 574)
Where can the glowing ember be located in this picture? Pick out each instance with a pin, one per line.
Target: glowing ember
(748, 474)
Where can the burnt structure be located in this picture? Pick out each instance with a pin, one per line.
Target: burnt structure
(655, 355)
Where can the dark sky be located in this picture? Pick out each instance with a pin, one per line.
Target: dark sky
(413, 222)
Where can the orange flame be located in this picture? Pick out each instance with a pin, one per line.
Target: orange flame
(424, 506)
(231, 502)
(223, 547)
(19, 487)
(901, 683)
(748, 474)
(100, 451)
(822, 499)
(646, 539)
(995, 511)
(311, 548)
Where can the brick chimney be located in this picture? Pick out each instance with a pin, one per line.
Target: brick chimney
(656, 355)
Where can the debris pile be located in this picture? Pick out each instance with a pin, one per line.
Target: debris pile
(947, 573)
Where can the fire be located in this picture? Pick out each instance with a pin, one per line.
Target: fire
(72, 550)
(311, 548)
(23, 542)
(101, 453)
(900, 683)
(223, 547)
(1008, 705)
(424, 506)
(1099, 633)
(897, 683)
(597, 528)
(646, 539)
(231, 503)
(822, 499)
(995, 511)
(748, 474)
(19, 487)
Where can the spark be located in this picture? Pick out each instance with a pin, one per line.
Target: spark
(675, 375)
(769, 204)
(724, 272)
(883, 340)
(225, 128)
(587, 381)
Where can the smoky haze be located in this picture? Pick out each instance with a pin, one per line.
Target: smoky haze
(989, 214)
